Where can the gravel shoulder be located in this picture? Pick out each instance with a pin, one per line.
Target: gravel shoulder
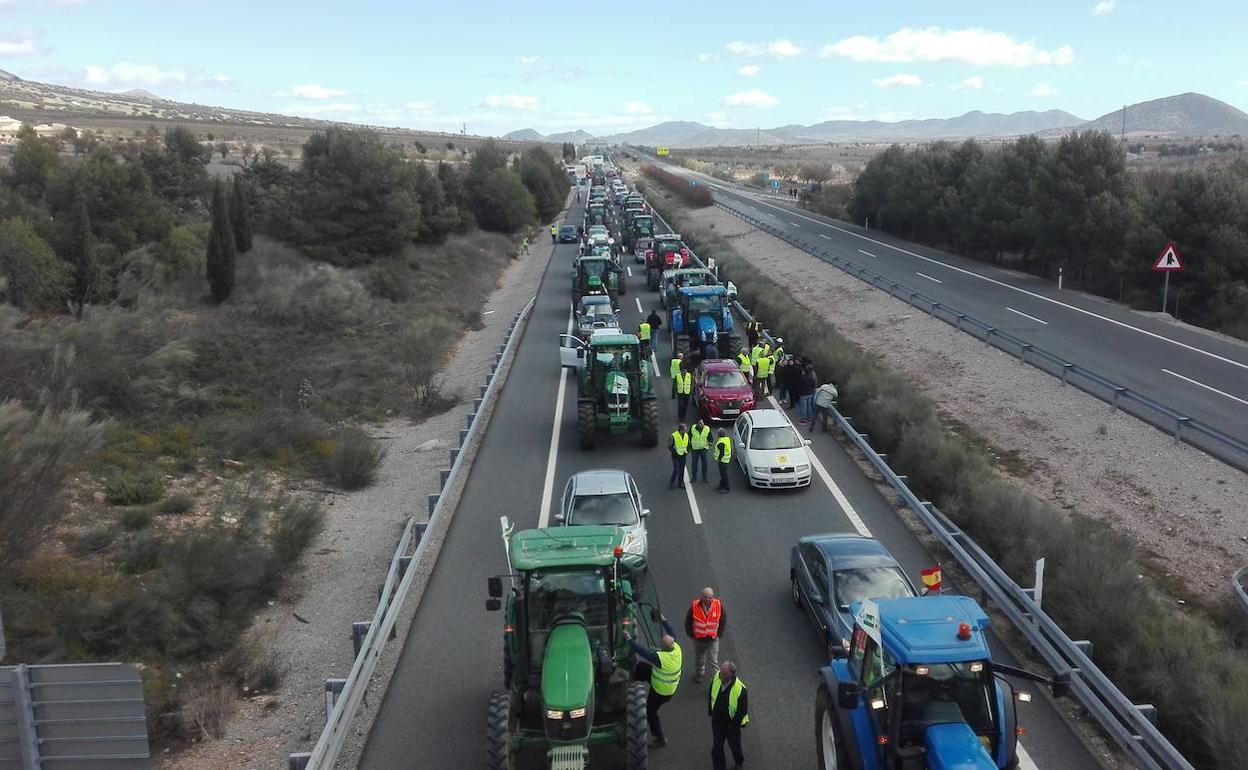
(1183, 507)
(309, 625)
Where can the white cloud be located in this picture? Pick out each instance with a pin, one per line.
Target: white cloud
(704, 57)
(973, 83)
(529, 59)
(750, 70)
(512, 102)
(979, 47)
(314, 91)
(755, 99)
(128, 74)
(20, 44)
(419, 106)
(1104, 8)
(901, 80)
(1042, 90)
(780, 49)
(637, 108)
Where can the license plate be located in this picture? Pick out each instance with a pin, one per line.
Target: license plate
(732, 411)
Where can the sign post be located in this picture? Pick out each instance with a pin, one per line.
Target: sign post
(1168, 261)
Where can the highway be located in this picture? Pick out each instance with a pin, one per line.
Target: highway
(1199, 374)
(433, 714)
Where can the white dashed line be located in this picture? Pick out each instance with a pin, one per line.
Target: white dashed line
(825, 237)
(543, 515)
(1206, 387)
(630, 271)
(638, 301)
(799, 227)
(1024, 315)
(928, 277)
(869, 254)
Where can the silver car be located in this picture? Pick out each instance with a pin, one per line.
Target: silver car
(606, 497)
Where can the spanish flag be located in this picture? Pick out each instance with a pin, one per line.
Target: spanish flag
(931, 579)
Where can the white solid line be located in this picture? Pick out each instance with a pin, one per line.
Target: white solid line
(629, 268)
(928, 277)
(1032, 294)
(654, 360)
(869, 254)
(1024, 315)
(543, 514)
(796, 225)
(827, 237)
(638, 301)
(693, 501)
(1206, 387)
(1025, 762)
(840, 497)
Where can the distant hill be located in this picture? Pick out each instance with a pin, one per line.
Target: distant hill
(525, 135)
(1185, 115)
(576, 137)
(139, 93)
(8, 76)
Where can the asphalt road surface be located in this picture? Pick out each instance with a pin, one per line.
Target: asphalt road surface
(1197, 373)
(433, 714)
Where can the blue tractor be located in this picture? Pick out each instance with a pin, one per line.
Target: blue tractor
(700, 318)
(920, 690)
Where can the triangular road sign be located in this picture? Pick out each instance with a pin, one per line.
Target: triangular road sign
(1169, 260)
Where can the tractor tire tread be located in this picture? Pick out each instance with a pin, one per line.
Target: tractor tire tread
(499, 754)
(585, 427)
(636, 728)
(650, 423)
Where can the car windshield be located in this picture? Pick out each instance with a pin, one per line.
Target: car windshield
(617, 509)
(599, 310)
(774, 438)
(856, 585)
(732, 379)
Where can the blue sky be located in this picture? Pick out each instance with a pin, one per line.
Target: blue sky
(607, 66)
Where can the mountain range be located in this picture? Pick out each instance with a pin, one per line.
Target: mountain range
(1184, 115)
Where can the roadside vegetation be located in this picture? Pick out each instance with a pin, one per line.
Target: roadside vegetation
(697, 196)
(186, 366)
(1192, 666)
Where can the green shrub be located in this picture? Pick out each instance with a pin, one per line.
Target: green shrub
(134, 519)
(93, 540)
(141, 552)
(355, 460)
(294, 526)
(176, 504)
(698, 195)
(134, 488)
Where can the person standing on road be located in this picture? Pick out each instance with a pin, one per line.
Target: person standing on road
(674, 369)
(730, 711)
(705, 622)
(825, 396)
(554, 233)
(700, 446)
(723, 455)
(678, 443)
(762, 377)
(806, 403)
(745, 365)
(753, 330)
(655, 321)
(684, 389)
(524, 245)
(643, 334)
(664, 676)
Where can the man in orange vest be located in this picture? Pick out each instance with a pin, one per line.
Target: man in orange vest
(706, 622)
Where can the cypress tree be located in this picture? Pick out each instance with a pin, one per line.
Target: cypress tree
(222, 252)
(240, 216)
(83, 255)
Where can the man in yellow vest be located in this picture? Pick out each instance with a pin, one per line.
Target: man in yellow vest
(554, 233)
(745, 364)
(684, 389)
(762, 372)
(643, 334)
(664, 676)
(700, 447)
(730, 711)
(723, 455)
(674, 369)
(678, 443)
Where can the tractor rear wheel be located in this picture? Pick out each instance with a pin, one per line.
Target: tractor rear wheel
(585, 426)
(652, 279)
(828, 742)
(636, 728)
(680, 344)
(623, 284)
(650, 423)
(500, 751)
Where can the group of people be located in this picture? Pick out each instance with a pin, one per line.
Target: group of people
(727, 697)
(695, 441)
(791, 377)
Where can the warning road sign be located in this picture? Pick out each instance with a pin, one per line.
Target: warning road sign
(1169, 260)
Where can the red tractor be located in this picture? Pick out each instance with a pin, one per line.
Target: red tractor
(668, 253)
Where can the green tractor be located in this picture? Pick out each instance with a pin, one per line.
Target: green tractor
(615, 387)
(570, 678)
(596, 275)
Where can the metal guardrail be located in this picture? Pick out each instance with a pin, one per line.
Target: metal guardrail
(1132, 726)
(1239, 584)
(1193, 431)
(343, 696)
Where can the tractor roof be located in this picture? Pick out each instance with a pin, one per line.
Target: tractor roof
(589, 546)
(703, 291)
(924, 629)
(611, 338)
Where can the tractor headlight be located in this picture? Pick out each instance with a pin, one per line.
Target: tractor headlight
(576, 714)
(552, 714)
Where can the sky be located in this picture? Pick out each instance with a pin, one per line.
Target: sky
(608, 67)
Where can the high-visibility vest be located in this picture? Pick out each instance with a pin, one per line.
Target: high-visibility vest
(698, 439)
(684, 383)
(756, 353)
(666, 676)
(681, 442)
(643, 331)
(734, 696)
(554, 230)
(744, 363)
(764, 367)
(674, 367)
(723, 449)
(706, 624)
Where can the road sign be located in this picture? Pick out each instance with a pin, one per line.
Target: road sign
(775, 184)
(1169, 261)
(662, 152)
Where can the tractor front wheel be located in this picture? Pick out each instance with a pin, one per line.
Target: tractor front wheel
(585, 426)
(636, 728)
(828, 742)
(500, 750)
(650, 423)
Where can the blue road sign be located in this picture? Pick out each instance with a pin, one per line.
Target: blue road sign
(775, 184)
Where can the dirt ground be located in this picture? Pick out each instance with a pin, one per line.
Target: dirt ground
(1059, 443)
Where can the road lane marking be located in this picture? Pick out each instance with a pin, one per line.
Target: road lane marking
(1206, 387)
(543, 515)
(630, 270)
(928, 277)
(693, 501)
(869, 254)
(1025, 762)
(799, 227)
(841, 499)
(1024, 315)
(1032, 294)
(826, 237)
(638, 301)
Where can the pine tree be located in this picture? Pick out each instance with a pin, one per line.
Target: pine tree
(222, 253)
(240, 216)
(84, 256)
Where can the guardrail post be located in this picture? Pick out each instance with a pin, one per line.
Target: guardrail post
(463, 436)
(333, 688)
(443, 476)
(1179, 422)
(1023, 353)
(1066, 372)
(958, 323)
(1118, 391)
(433, 502)
(1084, 646)
(454, 453)
(359, 630)
(1148, 711)
(468, 421)
(27, 737)
(298, 761)
(988, 335)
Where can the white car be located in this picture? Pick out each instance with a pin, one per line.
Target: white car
(606, 496)
(770, 451)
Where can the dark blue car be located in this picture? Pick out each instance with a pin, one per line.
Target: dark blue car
(567, 234)
(830, 572)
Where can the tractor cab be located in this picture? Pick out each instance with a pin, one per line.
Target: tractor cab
(596, 214)
(682, 277)
(615, 385)
(700, 318)
(919, 690)
(568, 671)
(595, 275)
